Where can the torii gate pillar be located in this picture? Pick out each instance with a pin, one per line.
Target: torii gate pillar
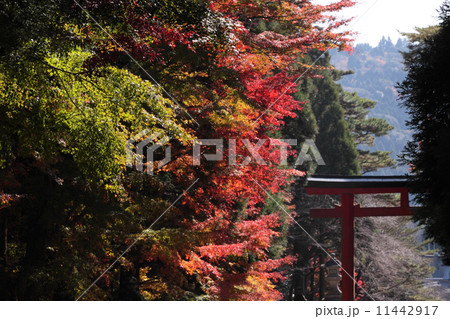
(348, 246)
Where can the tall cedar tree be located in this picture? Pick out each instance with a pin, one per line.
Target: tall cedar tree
(426, 94)
(350, 129)
(323, 120)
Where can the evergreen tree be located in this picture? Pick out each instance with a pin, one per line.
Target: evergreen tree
(364, 130)
(322, 119)
(425, 92)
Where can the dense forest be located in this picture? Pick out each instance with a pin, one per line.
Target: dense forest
(88, 89)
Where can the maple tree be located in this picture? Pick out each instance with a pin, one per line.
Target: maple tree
(226, 80)
(223, 253)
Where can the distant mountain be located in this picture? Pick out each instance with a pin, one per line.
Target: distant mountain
(376, 72)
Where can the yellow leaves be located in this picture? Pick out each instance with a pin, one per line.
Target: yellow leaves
(143, 274)
(151, 288)
(315, 67)
(195, 100)
(233, 111)
(255, 282)
(13, 94)
(257, 288)
(183, 75)
(189, 266)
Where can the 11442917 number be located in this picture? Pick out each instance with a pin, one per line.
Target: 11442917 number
(407, 310)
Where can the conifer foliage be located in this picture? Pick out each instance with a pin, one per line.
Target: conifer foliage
(425, 93)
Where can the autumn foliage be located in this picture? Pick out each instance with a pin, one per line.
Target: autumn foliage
(219, 76)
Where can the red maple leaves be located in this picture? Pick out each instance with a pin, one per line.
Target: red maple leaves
(238, 83)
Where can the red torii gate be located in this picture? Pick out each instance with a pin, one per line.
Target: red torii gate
(347, 187)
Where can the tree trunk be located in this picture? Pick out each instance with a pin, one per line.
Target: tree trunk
(129, 286)
(321, 276)
(3, 238)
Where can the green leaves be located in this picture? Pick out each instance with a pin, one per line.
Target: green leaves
(85, 116)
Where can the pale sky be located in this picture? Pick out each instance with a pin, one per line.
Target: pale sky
(377, 18)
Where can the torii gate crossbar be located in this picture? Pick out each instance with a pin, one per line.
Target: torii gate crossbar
(347, 187)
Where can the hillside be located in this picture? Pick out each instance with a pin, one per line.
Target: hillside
(376, 72)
